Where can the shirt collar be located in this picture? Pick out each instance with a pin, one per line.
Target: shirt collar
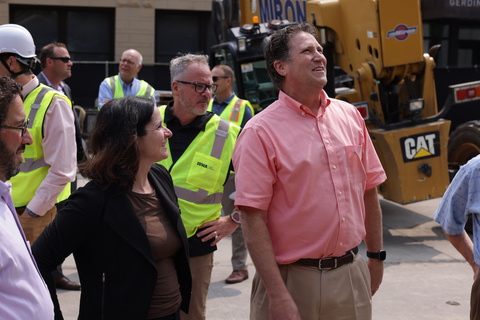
(123, 83)
(5, 187)
(30, 86)
(60, 86)
(300, 108)
(5, 190)
(199, 123)
(226, 101)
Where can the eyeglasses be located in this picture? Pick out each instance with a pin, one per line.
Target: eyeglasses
(215, 78)
(23, 128)
(200, 87)
(64, 59)
(130, 62)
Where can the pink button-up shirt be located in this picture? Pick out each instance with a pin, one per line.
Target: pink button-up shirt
(310, 174)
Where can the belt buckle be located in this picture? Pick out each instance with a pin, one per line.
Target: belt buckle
(327, 268)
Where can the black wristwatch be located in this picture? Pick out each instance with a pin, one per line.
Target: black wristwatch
(380, 255)
(235, 216)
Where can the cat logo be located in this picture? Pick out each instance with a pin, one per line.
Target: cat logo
(420, 146)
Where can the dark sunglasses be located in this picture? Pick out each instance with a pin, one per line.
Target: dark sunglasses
(215, 78)
(64, 59)
(23, 128)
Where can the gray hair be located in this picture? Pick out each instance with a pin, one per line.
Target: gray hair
(179, 64)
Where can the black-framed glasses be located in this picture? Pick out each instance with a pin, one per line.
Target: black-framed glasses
(215, 78)
(63, 59)
(200, 87)
(23, 128)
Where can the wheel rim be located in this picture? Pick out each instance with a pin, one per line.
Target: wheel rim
(464, 153)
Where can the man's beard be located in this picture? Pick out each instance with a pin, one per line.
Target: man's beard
(8, 163)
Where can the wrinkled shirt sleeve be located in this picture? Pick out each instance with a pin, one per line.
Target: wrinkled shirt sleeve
(60, 152)
(461, 198)
(105, 92)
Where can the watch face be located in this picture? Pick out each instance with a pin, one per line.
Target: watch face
(235, 216)
(383, 255)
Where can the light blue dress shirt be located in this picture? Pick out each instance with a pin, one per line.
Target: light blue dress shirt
(461, 198)
(105, 92)
(23, 293)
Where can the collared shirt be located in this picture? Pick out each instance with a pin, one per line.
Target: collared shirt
(59, 149)
(218, 108)
(23, 293)
(131, 89)
(461, 198)
(59, 88)
(310, 174)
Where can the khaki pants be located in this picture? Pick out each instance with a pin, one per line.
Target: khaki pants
(201, 269)
(33, 226)
(342, 293)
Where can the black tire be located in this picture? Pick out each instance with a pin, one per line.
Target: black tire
(463, 144)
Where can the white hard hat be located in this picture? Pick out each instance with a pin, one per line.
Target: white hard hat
(16, 39)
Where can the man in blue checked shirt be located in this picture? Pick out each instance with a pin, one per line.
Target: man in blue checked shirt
(462, 198)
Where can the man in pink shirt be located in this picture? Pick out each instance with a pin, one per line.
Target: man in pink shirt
(306, 177)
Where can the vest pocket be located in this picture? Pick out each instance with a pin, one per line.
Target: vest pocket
(204, 172)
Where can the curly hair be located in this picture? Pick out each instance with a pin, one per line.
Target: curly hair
(8, 90)
(113, 149)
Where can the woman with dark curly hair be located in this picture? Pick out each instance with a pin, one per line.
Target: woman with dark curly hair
(123, 227)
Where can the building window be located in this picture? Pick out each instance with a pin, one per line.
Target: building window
(182, 32)
(434, 33)
(460, 43)
(89, 33)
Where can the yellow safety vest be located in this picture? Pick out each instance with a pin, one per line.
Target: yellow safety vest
(199, 174)
(33, 169)
(114, 83)
(234, 111)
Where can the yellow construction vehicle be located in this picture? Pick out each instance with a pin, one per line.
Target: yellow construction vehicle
(376, 61)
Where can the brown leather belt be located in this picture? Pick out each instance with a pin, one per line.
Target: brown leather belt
(330, 262)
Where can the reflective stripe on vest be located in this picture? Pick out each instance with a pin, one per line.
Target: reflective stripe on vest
(146, 90)
(201, 196)
(30, 164)
(34, 169)
(115, 85)
(234, 111)
(200, 172)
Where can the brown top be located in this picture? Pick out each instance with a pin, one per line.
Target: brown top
(164, 242)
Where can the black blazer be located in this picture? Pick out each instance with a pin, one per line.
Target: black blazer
(111, 250)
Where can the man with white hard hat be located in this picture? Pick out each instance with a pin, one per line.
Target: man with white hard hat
(49, 164)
